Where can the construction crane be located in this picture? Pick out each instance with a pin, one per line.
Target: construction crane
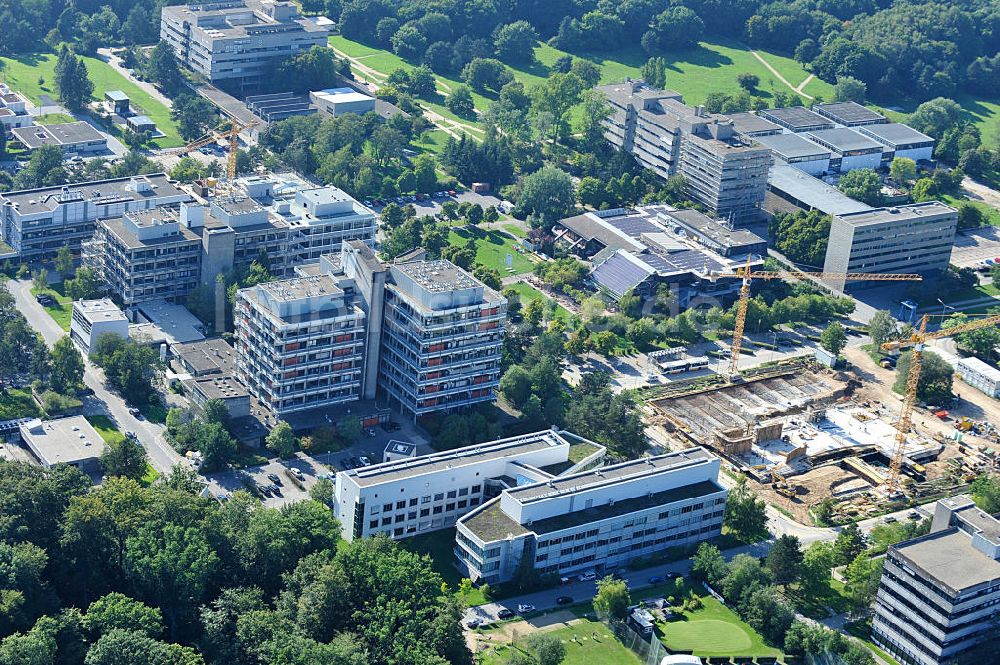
(748, 275)
(232, 133)
(917, 340)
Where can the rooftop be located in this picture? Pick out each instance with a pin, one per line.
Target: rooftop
(897, 213)
(63, 134)
(297, 288)
(228, 19)
(438, 276)
(136, 188)
(812, 192)
(100, 310)
(793, 146)
(177, 323)
(219, 387)
(895, 134)
(116, 96)
(213, 355)
(949, 558)
(977, 365)
(796, 118)
(751, 124)
(143, 219)
(443, 461)
(63, 441)
(710, 228)
(843, 139)
(342, 95)
(849, 113)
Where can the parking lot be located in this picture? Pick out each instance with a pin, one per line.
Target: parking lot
(972, 247)
(432, 206)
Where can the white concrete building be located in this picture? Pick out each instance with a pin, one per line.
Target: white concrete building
(338, 101)
(72, 441)
(413, 495)
(900, 141)
(93, 318)
(594, 520)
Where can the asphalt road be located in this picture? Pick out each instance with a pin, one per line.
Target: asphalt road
(162, 456)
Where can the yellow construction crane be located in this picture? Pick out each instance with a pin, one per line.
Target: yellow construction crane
(748, 275)
(232, 133)
(917, 340)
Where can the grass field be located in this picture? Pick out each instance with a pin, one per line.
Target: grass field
(432, 141)
(713, 630)
(581, 647)
(515, 230)
(990, 214)
(529, 293)
(63, 313)
(492, 249)
(18, 403)
(438, 546)
(34, 75)
(52, 119)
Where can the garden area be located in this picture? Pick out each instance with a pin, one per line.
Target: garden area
(18, 403)
(62, 312)
(578, 638)
(529, 294)
(492, 250)
(106, 428)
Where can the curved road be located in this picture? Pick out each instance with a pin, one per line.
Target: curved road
(103, 402)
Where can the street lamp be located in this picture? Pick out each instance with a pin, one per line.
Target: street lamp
(944, 307)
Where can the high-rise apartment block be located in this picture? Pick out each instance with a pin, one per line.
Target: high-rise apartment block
(915, 238)
(441, 337)
(423, 334)
(237, 42)
(722, 170)
(940, 594)
(600, 519)
(37, 222)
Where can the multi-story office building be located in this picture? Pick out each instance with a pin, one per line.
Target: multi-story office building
(441, 338)
(146, 255)
(722, 170)
(37, 222)
(915, 238)
(93, 318)
(940, 594)
(300, 343)
(235, 43)
(594, 520)
(414, 495)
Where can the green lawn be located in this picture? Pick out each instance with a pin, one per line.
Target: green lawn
(529, 293)
(18, 403)
(835, 597)
(990, 214)
(581, 647)
(515, 230)
(439, 547)
(432, 141)
(52, 119)
(713, 630)
(492, 249)
(34, 76)
(106, 428)
(63, 312)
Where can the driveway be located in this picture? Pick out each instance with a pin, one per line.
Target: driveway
(227, 482)
(162, 456)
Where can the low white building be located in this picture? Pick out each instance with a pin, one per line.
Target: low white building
(979, 375)
(93, 318)
(413, 495)
(597, 520)
(72, 441)
(339, 101)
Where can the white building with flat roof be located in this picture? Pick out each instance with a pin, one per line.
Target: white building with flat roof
(71, 440)
(979, 375)
(599, 520)
(338, 101)
(413, 495)
(93, 318)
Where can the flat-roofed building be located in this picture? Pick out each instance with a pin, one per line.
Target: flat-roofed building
(441, 338)
(752, 125)
(900, 141)
(849, 114)
(226, 389)
(915, 238)
(209, 357)
(979, 375)
(724, 171)
(851, 150)
(413, 495)
(940, 594)
(300, 343)
(72, 440)
(78, 137)
(599, 520)
(796, 119)
(117, 102)
(13, 109)
(809, 192)
(338, 101)
(37, 222)
(93, 318)
(235, 43)
(798, 151)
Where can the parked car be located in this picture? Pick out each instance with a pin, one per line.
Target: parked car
(133, 411)
(672, 575)
(474, 623)
(264, 489)
(588, 576)
(913, 515)
(564, 600)
(365, 461)
(504, 613)
(371, 432)
(298, 474)
(525, 608)
(273, 477)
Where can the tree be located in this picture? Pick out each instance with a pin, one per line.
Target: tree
(861, 579)
(936, 376)
(349, 428)
(66, 374)
(322, 491)
(769, 613)
(935, 117)
(970, 217)
(882, 328)
(40, 280)
(849, 89)
(118, 611)
(486, 74)
(124, 457)
(188, 169)
(747, 81)
(72, 81)
(833, 338)
(422, 82)
(547, 649)
(84, 286)
(850, 544)
(673, 29)
(784, 561)
(163, 70)
(547, 192)
(708, 564)
(515, 42)
(980, 342)
(130, 368)
(194, 115)
(460, 102)
(802, 237)
(612, 599)
(64, 261)
(282, 440)
(408, 43)
(815, 574)
(864, 185)
(903, 170)
(44, 169)
(122, 647)
(746, 574)
(746, 517)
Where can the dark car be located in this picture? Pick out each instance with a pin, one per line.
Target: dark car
(263, 489)
(273, 477)
(504, 613)
(564, 600)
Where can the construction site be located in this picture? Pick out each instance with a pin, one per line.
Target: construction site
(804, 433)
